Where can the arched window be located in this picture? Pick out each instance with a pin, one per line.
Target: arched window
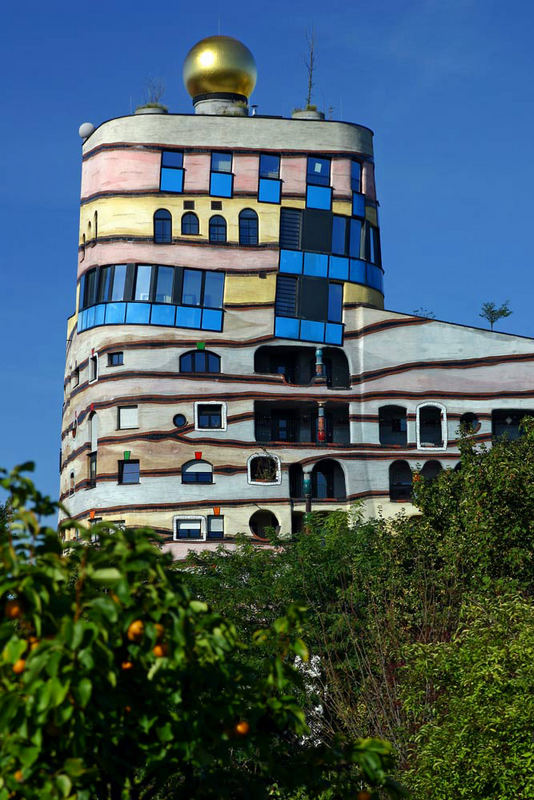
(264, 469)
(217, 229)
(162, 226)
(400, 482)
(469, 423)
(248, 227)
(72, 485)
(197, 472)
(328, 480)
(200, 361)
(189, 224)
(92, 431)
(431, 426)
(431, 470)
(296, 481)
(392, 425)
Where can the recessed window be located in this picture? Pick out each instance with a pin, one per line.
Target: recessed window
(162, 226)
(318, 171)
(91, 463)
(507, 422)
(188, 528)
(248, 227)
(189, 224)
(217, 229)
(189, 204)
(128, 417)
(221, 178)
(431, 425)
(76, 376)
(355, 175)
(372, 244)
(129, 471)
(210, 416)
(400, 482)
(264, 469)
(197, 471)
(72, 484)
(92, 431)
(115, 359)
(469, 423)
(200, 361)
(392, 425)
(309, 298)
(179, 420)
(93, 368)
(172, 173)
(215, 527)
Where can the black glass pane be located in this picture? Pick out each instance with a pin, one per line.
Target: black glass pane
(313, 298)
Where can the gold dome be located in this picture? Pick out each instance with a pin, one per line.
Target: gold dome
(219, 64)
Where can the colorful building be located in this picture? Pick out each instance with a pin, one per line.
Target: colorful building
(230, 364)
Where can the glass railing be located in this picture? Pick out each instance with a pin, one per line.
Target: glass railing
(200, 318)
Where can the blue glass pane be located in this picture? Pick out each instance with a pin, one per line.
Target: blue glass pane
(286, 327)
(374, 277)
(339, 235)
(138, 313)
(172, 158)
(318, 171)
(81, 321)
(269, 166)
(172, 180)
(316, 264)
(90, 317)
(115, 313)
(221, 162)
(100, 312)
(213, 289)
(188, 317)
(211, 320)
(142, 283)
(319, 197)
(311, 331)
(334, 333)
(291, 261)
(357, 270)
(339, 268)
(355, 238)
(269, 191)
(162, 315)
(335, 302)
(358, 205)
(355, 175)
(164, 285)
(221, 184)
(192, 287)
(119, 278)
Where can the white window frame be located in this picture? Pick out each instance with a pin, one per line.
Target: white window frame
(89, 379)
(127, 427)
(211, 403)
(435, 448)
(277, 481)
(183, 517)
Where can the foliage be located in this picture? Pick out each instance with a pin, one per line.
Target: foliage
(490, 312)
(117, 683)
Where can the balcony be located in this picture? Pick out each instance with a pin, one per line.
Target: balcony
(297, 365)
(299, 423)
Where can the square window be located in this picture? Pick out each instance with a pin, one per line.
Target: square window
(357, 270)
(115, 313)
(312, 331)
(189, 204)
(129, 471)
(215, 527)
(221, 162)
(216, 205)
(339, 268)
(333, 333)
(316, 264)
(138, 313)
(291, 261)
(188, 317)
(318, 171)
(171, 180)
(115, 359)
(188, 528)
(172, 158)
(269, 190)
(210, 416)
(221, 184)
(162, 315)
(319, 197)
(211, 320)
(128, 417)
(269, 166)
(286, 327)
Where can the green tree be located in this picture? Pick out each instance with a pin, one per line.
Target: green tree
(490, 312)
(117, 683)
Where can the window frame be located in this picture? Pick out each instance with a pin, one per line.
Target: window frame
(221, 404)
(180, 169)
(444, 425)
(190, 215)
(251, 218)
(184, 471)
(208, 521)
(278, 478)
(120, 476)
(185, 518)
(210, 238)
(118, 363)
(165, 222)
(92, 366)
(208, 354)
(127, 427)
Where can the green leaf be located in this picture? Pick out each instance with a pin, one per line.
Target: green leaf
(82, 691)
(106, 575)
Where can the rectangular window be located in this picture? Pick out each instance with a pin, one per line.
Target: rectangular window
(128, 417)
(290, 228)
(192, 287)
(209, 416)
(90, 288)
(164, 285)
(335, 302)
(76, 376)
(317, 230)
(269, 186)
(142, 284)
(215, 527)
(221, 178)
(339, 235)
(372, 244)
(115, 359)
(93, 368)
(355, 175)
(129, 471)
(221, 162)
(318, 171)
(286, 296)
(119, 280)
(104, 285)
(92, 471)
(313, 298)
(172, 173)
(269, 166)
(188, 528)
(213, 289)
(355, 238)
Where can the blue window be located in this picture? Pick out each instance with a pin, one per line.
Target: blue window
(248, 227)
(333, 333)
(357, 270)
(115, 313)
(339, 235)
(355, 238)
(189, 224)
(197, 472)
(192, 287)
(339, 268)
(200, 361)
(172, 173)
(221, 178)
(217, 229)
(142, 283)
(287, 327)
(318, 171)
(188, 529)
(209, 416)
(291, 261)
(375, 277)
(335, 302)
(211, 320)
(269, 166)
(119, 281)
(138, 313)
(129, 471)
(164, 285)
(188, 317)
(312, 331)
(269, 190)
(316, 264)
(358, 205)
(162, 226)
(104, 286)
(355, 175)
(162, 315)
(215, 527)
(213, 289)
(372, 244)
(319, 197)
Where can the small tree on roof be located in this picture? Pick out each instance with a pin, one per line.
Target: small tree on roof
(492, 313)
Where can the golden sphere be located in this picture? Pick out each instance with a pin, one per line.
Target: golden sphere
(219, 64)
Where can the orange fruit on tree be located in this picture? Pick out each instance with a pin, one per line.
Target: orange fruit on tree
(18, 775)
(13, 609)
(135, 630)
(160, 650)
(33, 641)
(126, 665)
(160, 630)
(242, 727)
(18, 666)
(363, 795)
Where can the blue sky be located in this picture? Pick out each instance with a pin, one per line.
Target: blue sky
(445, 84)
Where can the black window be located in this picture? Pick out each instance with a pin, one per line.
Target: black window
(200, 361)
(317, 230)
(76, 376)
(313, 298)
(92, 470)
(189, 224)
(215, 527)
(318, 171)
(248, 227)
(93, 368)
(507, 422)
(269, 166)
(216, 205)
(162, 226)
(221, 162)
(189, 204)
(129, 471)
(115, 359)
(197, 472)
(90, 286)
(290, 228)
(400, 482)
(209, 415)
(372, 244)
(309, 298)
(188, 529)
(217, 229)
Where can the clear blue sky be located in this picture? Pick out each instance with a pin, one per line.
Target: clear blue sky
(447, 86)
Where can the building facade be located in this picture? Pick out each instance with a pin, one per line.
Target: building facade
(230, 364)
